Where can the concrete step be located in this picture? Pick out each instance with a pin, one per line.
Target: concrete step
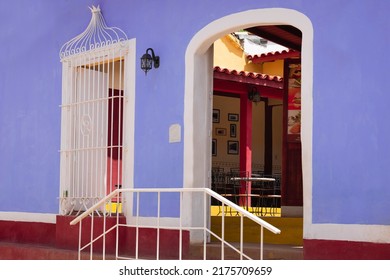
(252, 250)
(16, 251)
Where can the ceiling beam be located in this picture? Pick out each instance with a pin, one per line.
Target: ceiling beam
(286, 38)
(231, 88)
(248, 80)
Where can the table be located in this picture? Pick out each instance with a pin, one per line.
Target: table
(253, 179)
(246, 201)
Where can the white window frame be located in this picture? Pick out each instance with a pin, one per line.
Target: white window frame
(126, 50)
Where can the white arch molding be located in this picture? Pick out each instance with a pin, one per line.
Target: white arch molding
(198, 97)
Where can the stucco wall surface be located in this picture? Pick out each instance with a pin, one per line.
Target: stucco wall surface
(350, 128)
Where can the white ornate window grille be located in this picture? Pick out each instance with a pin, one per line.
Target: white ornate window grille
(93, 109)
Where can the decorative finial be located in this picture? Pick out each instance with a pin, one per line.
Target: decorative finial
(96, 35)
(95, 9)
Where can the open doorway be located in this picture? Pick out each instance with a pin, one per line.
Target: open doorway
(257, 119)
(248, 122)
(199, 83)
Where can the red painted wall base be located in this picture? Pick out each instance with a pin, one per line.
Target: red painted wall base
(27, 232)
(315, 249)
(67, 238)
(168, 243)
(63, 236)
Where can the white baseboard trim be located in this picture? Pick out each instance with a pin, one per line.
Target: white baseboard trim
(28, 217)
(357, 233)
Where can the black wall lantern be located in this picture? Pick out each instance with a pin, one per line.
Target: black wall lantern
(254, 95)
(148, 61)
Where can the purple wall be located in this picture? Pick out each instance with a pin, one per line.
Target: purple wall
(350, 133)
(31, 35)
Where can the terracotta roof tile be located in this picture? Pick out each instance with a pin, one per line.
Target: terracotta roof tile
(252, 75)
(274, 55)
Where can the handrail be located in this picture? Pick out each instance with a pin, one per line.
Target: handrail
(212, 193)
(207, 194)
(98, 204)
(243, 211)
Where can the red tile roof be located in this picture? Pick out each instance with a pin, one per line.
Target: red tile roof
(246, 74)
(273, 56)
(237, 82)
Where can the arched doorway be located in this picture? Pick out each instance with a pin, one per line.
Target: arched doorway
(198, 88)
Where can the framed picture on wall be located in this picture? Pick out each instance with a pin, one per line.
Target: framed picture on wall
(233, 130)
(233, 117)
(220, 131)
(232, 147)
(214, 147)
(216, 114)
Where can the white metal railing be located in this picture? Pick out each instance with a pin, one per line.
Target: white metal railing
(113, 207)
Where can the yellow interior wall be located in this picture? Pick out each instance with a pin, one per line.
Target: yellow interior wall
(115, 70)
(228, 54)
(274, 68)
(226, 105)
(116, 78)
